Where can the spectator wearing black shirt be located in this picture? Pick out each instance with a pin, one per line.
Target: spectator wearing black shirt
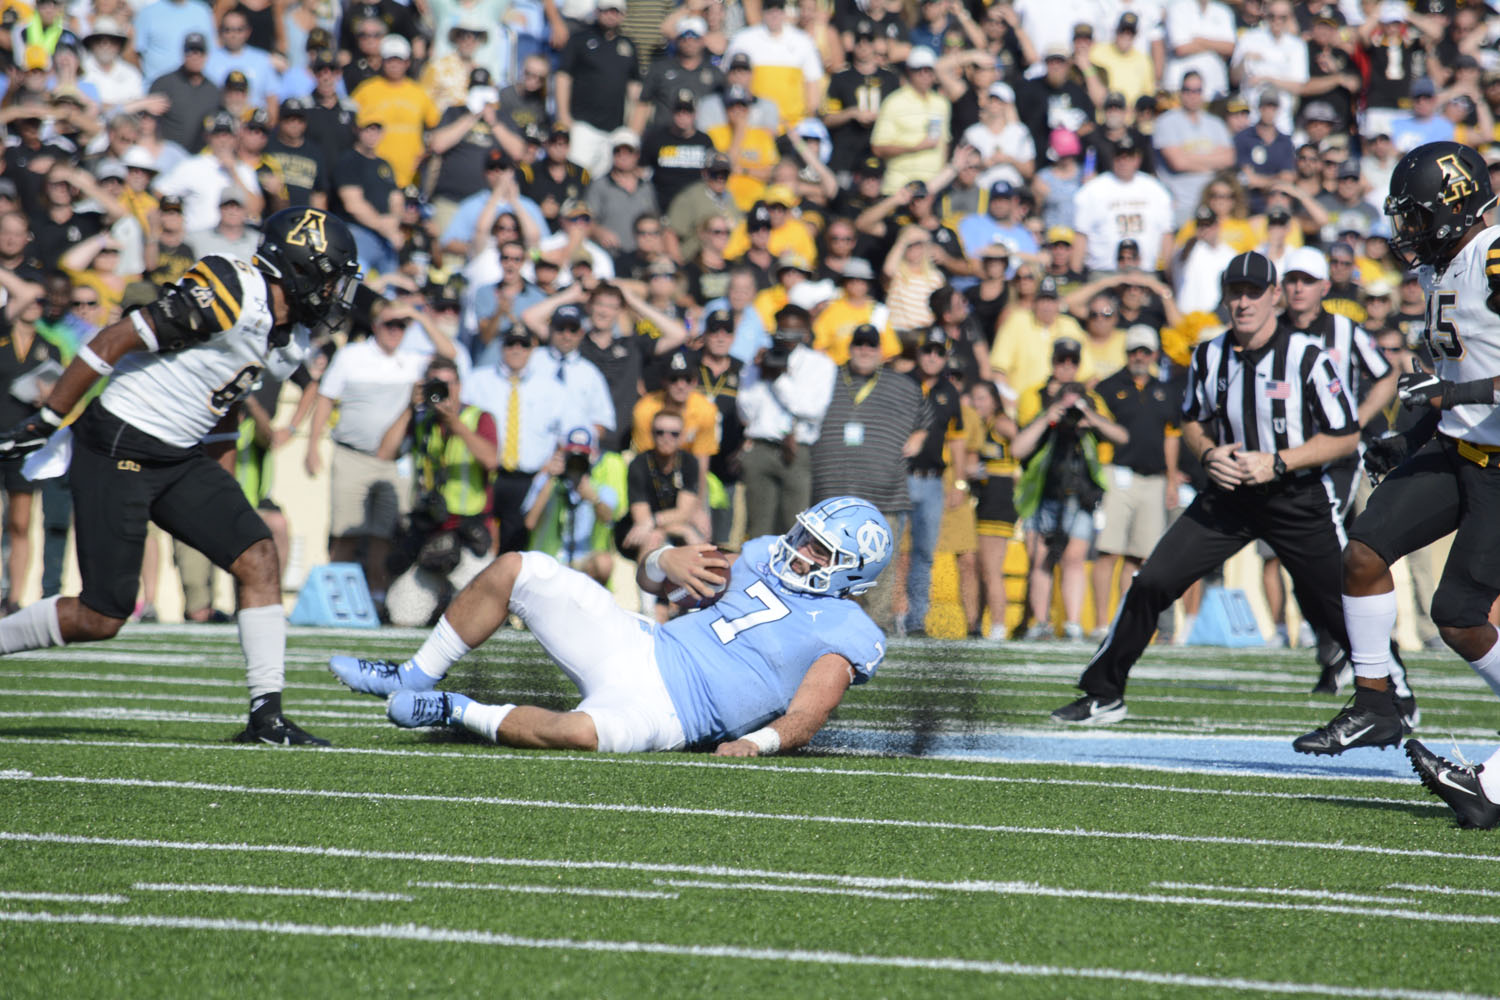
(25, 146)
(853, 100)
(15, 245)
(330, 118)
(1263, 154)
(687, 68)
(192, 96)
(556, 178)
(988, 297)
(676, 151)
(460, 146)
(944, 426)
(364, 47)
(598, 75)
(304, 172)
(1055, 101)
(55, 225)
(719, 380)
(22, 350)
(1332, 76)
(1143, 477)
(368, 198)
(173, 253)
(663, 489)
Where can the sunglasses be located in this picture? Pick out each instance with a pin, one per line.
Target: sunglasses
(1101, 313)
(512, 258)
(579, 218)
(84, 303)
(934, 349)
(663, 432)
(718, 232)
(392, 324)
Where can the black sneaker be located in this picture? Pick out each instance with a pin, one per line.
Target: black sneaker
(278, 730)
(1091, 710)
(1355, 726)
(1455, 785)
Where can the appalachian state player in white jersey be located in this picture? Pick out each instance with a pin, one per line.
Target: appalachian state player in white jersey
(1450, 478)
(176, 369)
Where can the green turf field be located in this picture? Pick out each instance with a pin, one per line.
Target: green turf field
(944, 840)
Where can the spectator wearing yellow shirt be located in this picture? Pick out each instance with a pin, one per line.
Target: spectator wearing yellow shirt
(911, 130)
(789, 234)
(1128, 69)
(680, 395)
(401, 105)
(785, 65)
(1023, 347)
(751, 151)
(854, 308)
(1103, 341)
(792, 269)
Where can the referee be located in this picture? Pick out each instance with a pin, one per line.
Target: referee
(1263, 411)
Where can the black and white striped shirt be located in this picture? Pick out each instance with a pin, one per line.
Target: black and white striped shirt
(1355, 357)
(1269, 399)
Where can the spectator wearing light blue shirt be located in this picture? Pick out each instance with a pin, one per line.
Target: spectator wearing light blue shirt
(1424, 124)
(1000, 223)
(234, 54)
(160, 30)
(750, 334)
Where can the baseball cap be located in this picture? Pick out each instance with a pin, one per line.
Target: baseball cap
(935, 337)
(1066, 347)
(1353, 222)
(921, 57)
(870, 166)
(1061, 234)
(235, 80)
(717, 163)
(1251, 268)
(1391, 12)
(223, 121)
(678, 367)
(1002, 189)
(395, 47)
(791, 260)
(719, 319)
(568, 317)
(1306, 260)
(1083, 30)
(259, 118)
(1126, 145)
(737, 95)
(295, 106)
(573, 208)
(685, 100)
(610, 5)
(170, 203)
(517, 334)
(195, 42)
(1279, 217)
(1127, 244)
(858, 267)
(1423, 87)
(1128, 22)
(1047, 288)
(692, 26)
(1003, 91)
(1348, 169)
(739, 61)
(136, 158)
(324, 59)
(1204, 216)
(110, 169)
(1147, 103)
(1236, 104)
(1320, 111)
(230, 196)
(497, 159)
(864, 335)
(1115, 99)
(662, 267)
(579, 441)
(780, 194)
(759, 217)
(1057, 51)
(1139, 336)
(624, 137)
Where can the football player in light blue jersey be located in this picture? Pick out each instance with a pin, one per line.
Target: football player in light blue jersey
(756, 672)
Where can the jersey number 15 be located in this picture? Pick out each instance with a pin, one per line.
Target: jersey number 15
(1442, 332)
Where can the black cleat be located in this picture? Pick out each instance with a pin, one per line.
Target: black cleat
(1410, 713)
(1355, 726)
(1455, 785)
(1091, 710)
(280, 731)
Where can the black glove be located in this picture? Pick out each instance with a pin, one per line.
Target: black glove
(29, 435)
(1384, 454)
(1421, 388)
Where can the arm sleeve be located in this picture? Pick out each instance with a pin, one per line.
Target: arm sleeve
(1327, 401)
(1370, 359)
(637, 482)
(1195, 406)
(1492, 274)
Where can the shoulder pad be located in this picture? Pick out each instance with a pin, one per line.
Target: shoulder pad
(1492, 265)
(205, 301)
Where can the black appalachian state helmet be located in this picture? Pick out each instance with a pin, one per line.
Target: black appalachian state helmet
(1439, 191)
(311, 254)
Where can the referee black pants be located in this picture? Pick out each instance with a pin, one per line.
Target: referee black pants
(1293, 518)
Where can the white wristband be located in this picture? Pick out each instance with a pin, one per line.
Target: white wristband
(766, 740)
(50, 416)
(652, 566)
(87, 356)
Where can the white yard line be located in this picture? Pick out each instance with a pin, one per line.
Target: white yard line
(814, 890)
(158, 715)
(690, 812)
(970, 886)
(63, 897)
(1446, 890)
(272, 890)
(546, 890)
(1338, 897)
(781, 956)
(746, 767)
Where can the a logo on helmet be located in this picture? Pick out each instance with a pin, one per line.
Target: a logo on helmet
(873, 541)
(309, 231)
(1458, 182)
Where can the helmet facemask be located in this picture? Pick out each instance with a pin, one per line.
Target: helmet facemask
(800, 572)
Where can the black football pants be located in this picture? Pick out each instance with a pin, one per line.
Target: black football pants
(1293, 518)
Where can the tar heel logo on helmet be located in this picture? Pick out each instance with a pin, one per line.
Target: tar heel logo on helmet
(1458, 182)
(874, 541)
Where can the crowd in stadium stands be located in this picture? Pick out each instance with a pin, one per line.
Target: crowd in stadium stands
(639, 271)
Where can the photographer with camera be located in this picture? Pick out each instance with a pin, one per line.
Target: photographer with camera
(455, 451)
(782, 402)
(570, 515)
(1062, 481)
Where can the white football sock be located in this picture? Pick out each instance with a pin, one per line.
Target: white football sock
(1369, 621)
(33, 627)
(1489, 778)
(484, 720)
(442, 649)
(263, 639)
(1488, 667)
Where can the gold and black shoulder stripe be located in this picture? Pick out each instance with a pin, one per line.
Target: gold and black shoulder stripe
(218, 276)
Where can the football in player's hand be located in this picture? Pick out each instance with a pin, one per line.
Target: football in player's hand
(685, 599)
